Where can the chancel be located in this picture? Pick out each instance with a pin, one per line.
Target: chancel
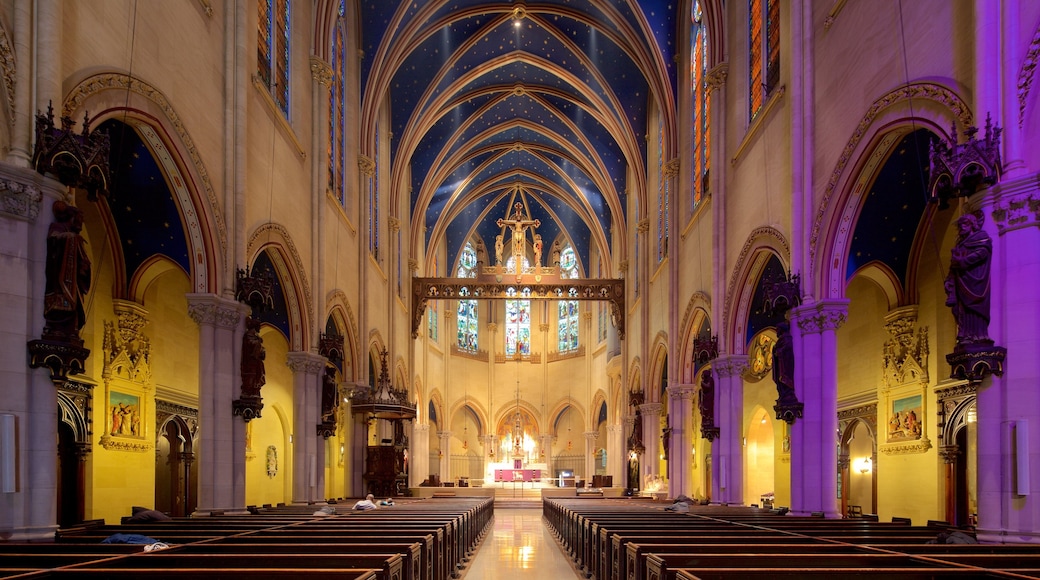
(677, 270)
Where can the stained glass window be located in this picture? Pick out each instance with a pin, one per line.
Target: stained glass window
(518, 327)
(273, 50)
(662, 194)
(763, 51)
(431, 310)
(337, 150)
(701, 106)
(373, 204)
(567, 310)
(467, 313)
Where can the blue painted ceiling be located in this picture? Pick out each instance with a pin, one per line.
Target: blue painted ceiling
(497, 102)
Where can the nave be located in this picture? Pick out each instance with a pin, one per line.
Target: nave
(519, 547)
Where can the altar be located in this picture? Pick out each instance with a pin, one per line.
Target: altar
(526, 475)
(509, 472)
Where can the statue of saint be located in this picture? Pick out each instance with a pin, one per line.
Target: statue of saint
(498, 250)
(967, 284)
(329, 395)
(67, 274)
(783, 365)
(537, 251)
(706, 402)
(253, 355)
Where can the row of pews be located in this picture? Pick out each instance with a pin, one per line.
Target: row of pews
(634, 539)
(427, 539)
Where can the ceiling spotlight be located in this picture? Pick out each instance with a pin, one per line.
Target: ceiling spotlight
(518, 14)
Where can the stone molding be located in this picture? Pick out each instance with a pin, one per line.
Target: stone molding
(1016, 205)
(732, 365)
(682, 392)
(818, 317)
(651, 408)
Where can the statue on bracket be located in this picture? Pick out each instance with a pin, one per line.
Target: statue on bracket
(706, 405)
(67, 275)
(967, 293)
(787, 407)
(967, 284)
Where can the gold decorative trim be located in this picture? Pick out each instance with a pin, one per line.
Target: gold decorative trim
(906, 448)
(112, 444)
(207, 8)
(756, 123)
(8, 66)
(280, 120)
(833, 14)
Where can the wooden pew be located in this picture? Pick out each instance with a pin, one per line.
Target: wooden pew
(197, 574)
(831, 573)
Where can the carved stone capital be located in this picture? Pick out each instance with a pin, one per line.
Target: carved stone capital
(305, 362)
(21, 200)
(650, 409)
(716, 77)
(591, 436)
(394, 224)
(212, 310)
(643, 226)
(543, 327)
(413, 265)
(671, 168)
(731, 365)
(321, 71)
(682, 392)
(1016, 204)
(822, 316)
(366, 165)
(492, 327)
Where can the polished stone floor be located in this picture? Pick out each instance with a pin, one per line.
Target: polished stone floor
(519, 547)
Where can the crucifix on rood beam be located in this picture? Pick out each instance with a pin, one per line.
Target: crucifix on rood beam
(519, 225)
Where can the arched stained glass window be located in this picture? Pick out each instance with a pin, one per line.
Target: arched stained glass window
(701, 105)
(272, 50)
(467, 313)
(518, 326)
(567, 310)
(663, 194)
(337, 149)
(763, 51)
(373, 203)
(432, 311)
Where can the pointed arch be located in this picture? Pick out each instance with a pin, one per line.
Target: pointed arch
(760, 246)
(472, 406)
(136, 102)
(910, 107)
(658, 368)
(695, 316)
(562, 406)
(275, 238)
(338, 307)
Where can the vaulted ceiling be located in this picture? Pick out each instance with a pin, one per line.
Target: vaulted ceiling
(546, 103)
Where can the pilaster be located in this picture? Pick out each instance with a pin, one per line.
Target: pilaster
(680, 416)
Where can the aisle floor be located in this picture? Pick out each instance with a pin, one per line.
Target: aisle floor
(520, 547)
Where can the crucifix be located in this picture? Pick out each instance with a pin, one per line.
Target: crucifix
(519, 225)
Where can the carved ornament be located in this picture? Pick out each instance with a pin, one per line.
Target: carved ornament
(905, 354)
(321, 71)
(20, 200)
(1018, 212)
(716, 77)
(919, 446)
(117, 444)
(126, 349)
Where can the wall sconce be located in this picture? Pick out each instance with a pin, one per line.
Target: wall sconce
(864, 465)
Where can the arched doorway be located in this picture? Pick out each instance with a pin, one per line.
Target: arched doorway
(175, 477)
(74, 407)
(759, 458)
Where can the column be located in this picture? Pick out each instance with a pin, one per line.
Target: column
(222, 439)
(680, 414)
(23, 124)
(445, 455)
(727, 473)
(590, 457)
(30, 513)
(419, 468)
(308, 459)
(358, 448)
(1009, 405)
(650, 463)
(814, 437)
(616, 456)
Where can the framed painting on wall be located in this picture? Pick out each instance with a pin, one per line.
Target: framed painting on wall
(124, 413)
(904, 420)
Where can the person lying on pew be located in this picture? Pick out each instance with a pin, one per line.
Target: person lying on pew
(366, 504)
(387, 501)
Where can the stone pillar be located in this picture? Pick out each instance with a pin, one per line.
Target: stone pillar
(23, 122)
(49, 74)
(650, 464)
(680, 415)
(616, 456)
(222, 439)
(590, 456)
(358, 450)
(445, 456)
(1009, 405)
(727, 473)
(814, 437)
(26, 198)
(419, 468)
(308, 477)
